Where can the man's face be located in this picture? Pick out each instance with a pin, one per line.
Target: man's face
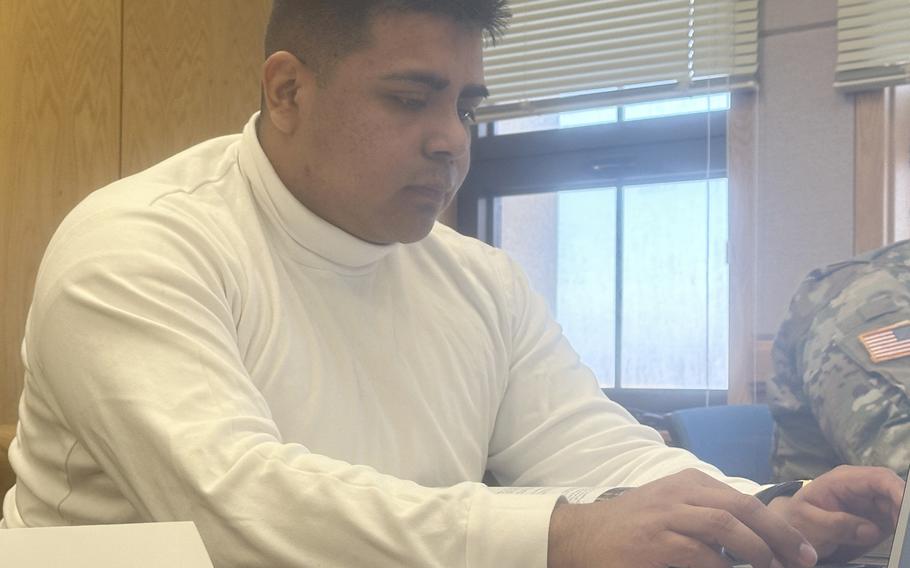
(384, 142)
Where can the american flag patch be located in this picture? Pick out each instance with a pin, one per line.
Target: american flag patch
(887, 343)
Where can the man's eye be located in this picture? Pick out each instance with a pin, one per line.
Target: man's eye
(411, 102)
(467, 115)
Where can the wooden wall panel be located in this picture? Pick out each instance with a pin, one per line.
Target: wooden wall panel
(871, 199)
(900, 161)
(59, 139)
(742, 131)
(191, 72)
(882, 167)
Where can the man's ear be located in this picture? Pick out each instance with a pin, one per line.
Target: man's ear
(287, 84)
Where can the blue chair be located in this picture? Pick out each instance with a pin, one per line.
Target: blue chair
(736, 438)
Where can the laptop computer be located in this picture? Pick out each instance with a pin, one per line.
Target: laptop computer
(900, 549)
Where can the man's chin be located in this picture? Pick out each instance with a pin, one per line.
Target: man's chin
(403, 233)
(417, 234)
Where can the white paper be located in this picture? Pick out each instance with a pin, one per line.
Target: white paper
(572, 494)
(137, 545)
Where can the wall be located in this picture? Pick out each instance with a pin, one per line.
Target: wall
(190, 72)
(804, 200)
(59, 137)
(95, 89)
(103, 88)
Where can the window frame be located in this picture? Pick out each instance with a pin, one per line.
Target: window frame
(674, 148)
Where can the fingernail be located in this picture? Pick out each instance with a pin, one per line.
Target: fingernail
(807, 554)
(867, 533)
(776, 564)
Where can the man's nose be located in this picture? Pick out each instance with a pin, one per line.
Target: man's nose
(449, 138)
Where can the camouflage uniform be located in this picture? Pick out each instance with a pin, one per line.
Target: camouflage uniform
(831, 403)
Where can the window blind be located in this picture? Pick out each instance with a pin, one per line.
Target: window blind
(873, 44)
(571, 54)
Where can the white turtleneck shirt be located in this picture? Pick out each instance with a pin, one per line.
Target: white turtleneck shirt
(202, 347)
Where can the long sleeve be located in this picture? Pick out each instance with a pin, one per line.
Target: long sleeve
(132, 343)
(555, 426)
(861, 407)
(202, 347)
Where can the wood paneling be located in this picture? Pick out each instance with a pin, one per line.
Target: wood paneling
(59, 139)
(900, 130)
(871, 206)
(95, 89)
(741, 173)
(7, 477)
(190, 72)
(882, 168)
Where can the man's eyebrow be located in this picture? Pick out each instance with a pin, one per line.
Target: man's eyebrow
(437, 83)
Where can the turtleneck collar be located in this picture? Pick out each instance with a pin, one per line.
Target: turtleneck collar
(314, 241)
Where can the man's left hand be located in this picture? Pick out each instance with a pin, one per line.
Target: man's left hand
(846, 511)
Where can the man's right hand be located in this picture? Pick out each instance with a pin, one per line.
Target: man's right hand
(681, 520)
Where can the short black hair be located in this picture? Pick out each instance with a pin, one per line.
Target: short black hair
(319, 32)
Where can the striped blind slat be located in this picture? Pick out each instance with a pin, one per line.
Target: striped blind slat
(556, 51)
(873, 44)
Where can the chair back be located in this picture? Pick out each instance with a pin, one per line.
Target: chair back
(736, 438)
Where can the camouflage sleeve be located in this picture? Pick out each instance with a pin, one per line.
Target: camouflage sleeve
(858, 393)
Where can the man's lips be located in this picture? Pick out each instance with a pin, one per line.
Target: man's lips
(435, 192)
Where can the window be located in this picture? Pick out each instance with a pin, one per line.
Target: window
(564, 55)
(873, 44)
(619, 217)
(606, 175)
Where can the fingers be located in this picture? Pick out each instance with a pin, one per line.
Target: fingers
(751, 531)
(750, 536)
(874, 493)
(887, 491)
(720, 528)
(854, 486)
(844, 529)
(877, 480)
(689, 553)
(887, 510)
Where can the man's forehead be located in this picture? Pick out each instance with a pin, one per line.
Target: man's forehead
(424, 40)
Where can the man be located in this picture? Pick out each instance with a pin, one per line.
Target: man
(842, 362)
(269, 335)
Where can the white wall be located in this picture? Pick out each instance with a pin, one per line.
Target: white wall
(804, 215)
